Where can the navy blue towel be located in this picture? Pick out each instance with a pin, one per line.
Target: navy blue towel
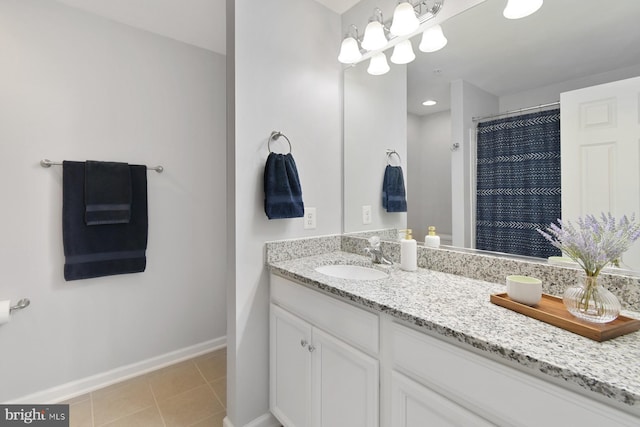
(282, 190)
(107, 193)
(102, 250)
(393, 192)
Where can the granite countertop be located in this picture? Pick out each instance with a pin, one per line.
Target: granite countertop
(459, 308)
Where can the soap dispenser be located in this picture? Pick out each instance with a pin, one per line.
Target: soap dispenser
(431, 240)
(408, 252)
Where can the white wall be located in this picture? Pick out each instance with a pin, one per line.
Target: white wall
(375, 111)
(551, 93)
(287, 78)
(467, 101)
(429, 173)
(75, 86)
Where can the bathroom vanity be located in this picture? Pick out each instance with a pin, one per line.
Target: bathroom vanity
(428, 348)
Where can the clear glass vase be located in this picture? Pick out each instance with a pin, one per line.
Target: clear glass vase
(589, 300)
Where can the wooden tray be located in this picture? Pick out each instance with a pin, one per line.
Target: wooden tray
(551, 310)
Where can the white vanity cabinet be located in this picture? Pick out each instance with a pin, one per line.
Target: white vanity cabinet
(333, 364)
(415, 405)
(323, 365)
(434, 380)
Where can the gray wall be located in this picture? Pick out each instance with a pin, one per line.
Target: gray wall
(429, 172)
(551, 93)
(75, 86)
(467, 101)
(286, 78)
(375, 111)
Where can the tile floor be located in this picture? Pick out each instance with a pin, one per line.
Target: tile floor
(189, 393)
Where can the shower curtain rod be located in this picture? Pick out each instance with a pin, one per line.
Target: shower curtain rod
(506, 113)
(46, 163)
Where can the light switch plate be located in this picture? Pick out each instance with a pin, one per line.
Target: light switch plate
(366, 214)
(309, 218)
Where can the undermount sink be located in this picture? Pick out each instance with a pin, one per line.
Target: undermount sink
(352, 272)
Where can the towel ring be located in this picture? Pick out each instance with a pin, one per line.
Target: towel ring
(275, 135)
(391, 153)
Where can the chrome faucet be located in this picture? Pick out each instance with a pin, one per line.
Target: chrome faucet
(375, 251)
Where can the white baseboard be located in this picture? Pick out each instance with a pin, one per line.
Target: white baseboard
(266, 420)
(85, 385)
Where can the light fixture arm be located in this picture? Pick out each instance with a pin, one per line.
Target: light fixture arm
(355, 34)
(377, 11)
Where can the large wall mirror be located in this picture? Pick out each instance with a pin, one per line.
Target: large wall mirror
(490, 65)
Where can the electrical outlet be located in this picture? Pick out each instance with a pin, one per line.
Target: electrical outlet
(366, 214)
(309, 218)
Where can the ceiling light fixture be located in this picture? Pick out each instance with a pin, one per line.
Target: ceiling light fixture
(517, 9)
(429, 102)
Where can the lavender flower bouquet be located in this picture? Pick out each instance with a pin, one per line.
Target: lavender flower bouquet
(593, 244)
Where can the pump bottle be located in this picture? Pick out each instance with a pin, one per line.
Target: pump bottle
(408, 252)
(431, 240)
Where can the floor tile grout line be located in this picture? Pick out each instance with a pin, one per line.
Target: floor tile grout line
(128, 415)
(216, 395)
(119, 392)
(207, 417)
(155, 399)
(210, 385)
(93, 421)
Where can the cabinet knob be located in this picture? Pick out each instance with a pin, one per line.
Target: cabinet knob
(303, 342)
(311, 348)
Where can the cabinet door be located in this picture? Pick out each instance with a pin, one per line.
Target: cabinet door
(414, 405)
(345, 384)
(290, 368)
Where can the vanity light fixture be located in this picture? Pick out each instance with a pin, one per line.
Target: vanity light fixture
(350, 49)
(517, 9)
(433, 39)
(378, 65)
(405, 20)
(429, 102)
(374, 37)
(408, 17)
(403, 53)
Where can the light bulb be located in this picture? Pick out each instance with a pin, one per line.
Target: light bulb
(405, 20)
(349, 51)
(378, 65)
(433, 39)
(374, 37)
(517, 9)
(403, 53)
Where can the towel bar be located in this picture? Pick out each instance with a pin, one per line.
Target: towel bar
(46, 163)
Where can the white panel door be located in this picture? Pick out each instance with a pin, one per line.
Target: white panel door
(290, 368)
(600, 134)
(414, 405)
(345, 384)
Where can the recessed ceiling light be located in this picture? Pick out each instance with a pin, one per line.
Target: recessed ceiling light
(429, 102)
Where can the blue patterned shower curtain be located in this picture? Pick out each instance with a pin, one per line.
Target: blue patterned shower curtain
(518, 183)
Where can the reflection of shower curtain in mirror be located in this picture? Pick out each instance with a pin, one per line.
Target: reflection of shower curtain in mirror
(518, 183)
